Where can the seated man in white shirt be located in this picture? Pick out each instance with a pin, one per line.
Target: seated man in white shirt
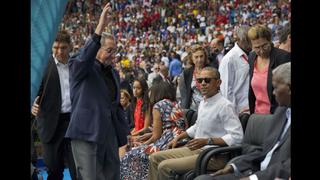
(234, 70)
(217, 125)
(274, 161)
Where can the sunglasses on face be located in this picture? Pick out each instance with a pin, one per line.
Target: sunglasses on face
(206, 80)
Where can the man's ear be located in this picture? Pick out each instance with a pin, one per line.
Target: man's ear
(219, 82)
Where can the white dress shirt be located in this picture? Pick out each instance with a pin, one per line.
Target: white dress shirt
(217, 118)
(151, 76)
(63, 71)
(234, 74)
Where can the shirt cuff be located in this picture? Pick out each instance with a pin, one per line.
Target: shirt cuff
(253, 177)
(190, 132)
(96, 38)
(235, 169)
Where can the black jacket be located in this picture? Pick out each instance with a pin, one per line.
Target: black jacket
(48, 116)
(277, 57)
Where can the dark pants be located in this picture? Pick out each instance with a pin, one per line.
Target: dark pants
(222, 177)
(58, 152)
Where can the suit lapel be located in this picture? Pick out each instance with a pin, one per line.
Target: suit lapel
(276, 127)
(285, 136)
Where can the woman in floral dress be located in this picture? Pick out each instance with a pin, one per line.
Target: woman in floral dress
(168, 122)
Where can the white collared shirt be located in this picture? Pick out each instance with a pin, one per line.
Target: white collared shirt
(217, 118)
(234, 74)
(63, 71)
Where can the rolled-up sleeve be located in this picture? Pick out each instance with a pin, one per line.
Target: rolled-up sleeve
(231, 125)
(191, 131)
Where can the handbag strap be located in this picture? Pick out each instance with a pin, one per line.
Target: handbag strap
(41, 97)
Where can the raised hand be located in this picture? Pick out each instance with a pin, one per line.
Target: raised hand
(104, 18)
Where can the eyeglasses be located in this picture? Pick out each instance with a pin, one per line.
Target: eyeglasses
(265, 46)
(206, 80)
(110, 50)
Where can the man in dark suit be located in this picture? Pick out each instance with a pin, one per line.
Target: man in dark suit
(275, 156)
(52, 109)
(163, 74)
(97, 127)
(216, 52)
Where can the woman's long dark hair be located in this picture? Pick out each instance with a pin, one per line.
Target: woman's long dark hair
(145, 97)
(161, 90)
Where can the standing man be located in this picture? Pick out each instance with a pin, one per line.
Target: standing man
(52, 109)
(97, 127)
(163, 74)
(217, 52)
(234, 70)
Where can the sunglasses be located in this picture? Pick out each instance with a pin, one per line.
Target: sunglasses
(206, 80)
(110, 50)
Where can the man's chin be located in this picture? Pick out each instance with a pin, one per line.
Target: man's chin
(204, 93)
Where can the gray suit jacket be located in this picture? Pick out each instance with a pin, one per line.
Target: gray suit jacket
(250, 163)
(93, 111)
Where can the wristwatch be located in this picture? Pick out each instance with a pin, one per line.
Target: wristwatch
(210, 141)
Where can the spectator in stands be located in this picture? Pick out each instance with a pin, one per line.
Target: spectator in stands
(125, 80)
(163, 74)
(175, 67)
(141, 107)
(168, 123)
(217, 125)
(155, 72)
(285, 38)
(189, 87)
(234, 70)
(275, 158)
(262, 61)
(217, 46)
(125, 99)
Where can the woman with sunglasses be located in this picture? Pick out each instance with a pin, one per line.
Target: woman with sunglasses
(189, 87)
(262, 61)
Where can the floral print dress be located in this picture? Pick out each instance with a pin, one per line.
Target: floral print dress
(135, 164)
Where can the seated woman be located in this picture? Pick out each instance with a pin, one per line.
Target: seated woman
(125, 99)
(140, 105)
(168, 123)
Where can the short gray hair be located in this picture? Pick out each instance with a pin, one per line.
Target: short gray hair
(283, 71)
(105, 36)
